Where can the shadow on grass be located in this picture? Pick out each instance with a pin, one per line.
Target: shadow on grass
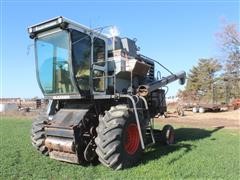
(192, 134)
(181, 134)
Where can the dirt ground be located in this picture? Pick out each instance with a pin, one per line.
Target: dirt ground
(229, 119)
(19, 114)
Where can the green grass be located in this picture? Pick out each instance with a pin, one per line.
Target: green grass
(199, 153)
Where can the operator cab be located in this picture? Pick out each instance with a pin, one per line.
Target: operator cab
(67, 56)
(75, 62)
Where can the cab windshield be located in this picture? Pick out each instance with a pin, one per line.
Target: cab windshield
(53, 63)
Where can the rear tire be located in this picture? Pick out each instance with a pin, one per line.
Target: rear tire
(118, 142)
(38, 134)
(168, 135)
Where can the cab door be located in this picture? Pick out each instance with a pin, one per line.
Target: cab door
(99, 66)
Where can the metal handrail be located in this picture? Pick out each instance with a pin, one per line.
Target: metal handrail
(137, 119)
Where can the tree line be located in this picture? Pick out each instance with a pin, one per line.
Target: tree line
(216, 80)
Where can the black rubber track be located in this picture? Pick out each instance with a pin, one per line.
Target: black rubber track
(38, 133)
(111, 137)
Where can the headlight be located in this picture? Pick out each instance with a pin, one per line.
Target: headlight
(60, 20)
(30, 30)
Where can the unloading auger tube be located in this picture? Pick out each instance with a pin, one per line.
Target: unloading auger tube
(144, 90)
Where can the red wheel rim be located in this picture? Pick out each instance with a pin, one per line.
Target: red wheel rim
(132, 139)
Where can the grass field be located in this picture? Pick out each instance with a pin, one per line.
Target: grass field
(199, 153)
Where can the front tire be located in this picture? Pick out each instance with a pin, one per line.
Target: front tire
(195, 110)
(118, 141)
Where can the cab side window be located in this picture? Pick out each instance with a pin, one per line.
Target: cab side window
(98, 51)
(98, 60)
(81, 52)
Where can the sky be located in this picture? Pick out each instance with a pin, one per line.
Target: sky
(176, 33)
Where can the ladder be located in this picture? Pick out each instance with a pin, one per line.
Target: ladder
(150, 125)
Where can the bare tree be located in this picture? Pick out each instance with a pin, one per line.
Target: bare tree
(229, 41)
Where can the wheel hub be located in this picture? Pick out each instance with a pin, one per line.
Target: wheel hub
(132, 139)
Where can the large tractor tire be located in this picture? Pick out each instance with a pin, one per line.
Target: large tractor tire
(38, 134)
(118, 141)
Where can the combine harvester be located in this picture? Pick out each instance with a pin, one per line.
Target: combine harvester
(102, 96)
